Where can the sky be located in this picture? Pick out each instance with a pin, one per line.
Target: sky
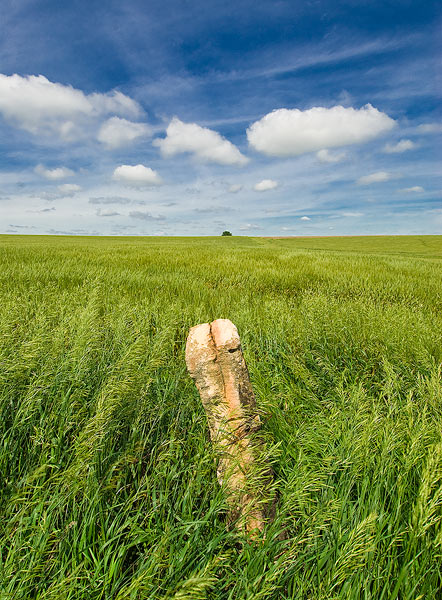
(189, 117)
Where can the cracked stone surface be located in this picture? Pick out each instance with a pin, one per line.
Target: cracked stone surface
(216, 363)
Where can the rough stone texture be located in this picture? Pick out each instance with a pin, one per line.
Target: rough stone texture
(216, 363)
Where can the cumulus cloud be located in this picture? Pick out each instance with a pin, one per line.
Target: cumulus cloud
(286, 132)
(415, 189)
(325, 156)
(377, 177)
(42, 107)
(305, 219)
(117, 132)
(401, 146)
(265, 185)
(145, 216)
(53, 174)
(235, 188)
(69, 189)
(137, 175)
(205, 144)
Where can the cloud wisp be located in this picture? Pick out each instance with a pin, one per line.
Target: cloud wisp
(145, 216)
(54, 174)
(430, 128)
(69, 189)
(250, 227)
(401, 146)
(325, 156)
(109, 200)
(100, 212)
(378, 177)
(415, 189)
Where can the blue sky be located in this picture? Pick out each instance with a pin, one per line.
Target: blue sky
(190, 117)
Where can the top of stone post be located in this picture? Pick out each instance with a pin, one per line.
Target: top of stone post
(225, 334)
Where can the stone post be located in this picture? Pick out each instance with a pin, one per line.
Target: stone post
(216, 363)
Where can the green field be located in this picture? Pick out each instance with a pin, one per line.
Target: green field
(108, 485)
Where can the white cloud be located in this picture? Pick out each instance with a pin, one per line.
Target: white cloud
(265, 185)
(106, 213)
(352, 214)
(48, 196)
(116, 132)
(114, 102)
(235, 188)
(137, 175)
(205, 144)
(249, 227)
(145, 216)
(42, 107)
(109, 200)
(54, 174)
(293, 132)
(430, 128)
(305, 219)
(42, 210)
(415, 189)
(401, 146)
(325, 156)
(69, 189)
(377, 177)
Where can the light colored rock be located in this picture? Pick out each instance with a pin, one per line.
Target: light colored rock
(201, 361)
(215, 361)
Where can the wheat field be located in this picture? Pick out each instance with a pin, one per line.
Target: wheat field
(108, 484)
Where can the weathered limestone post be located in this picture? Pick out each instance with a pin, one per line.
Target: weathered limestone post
(216, 363)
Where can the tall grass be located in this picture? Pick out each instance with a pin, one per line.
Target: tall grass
(108, 486)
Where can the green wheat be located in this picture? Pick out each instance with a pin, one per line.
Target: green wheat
(108, 486)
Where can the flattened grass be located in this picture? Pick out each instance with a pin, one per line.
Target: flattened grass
(108, 487)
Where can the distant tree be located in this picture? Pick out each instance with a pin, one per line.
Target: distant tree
(226, 233)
